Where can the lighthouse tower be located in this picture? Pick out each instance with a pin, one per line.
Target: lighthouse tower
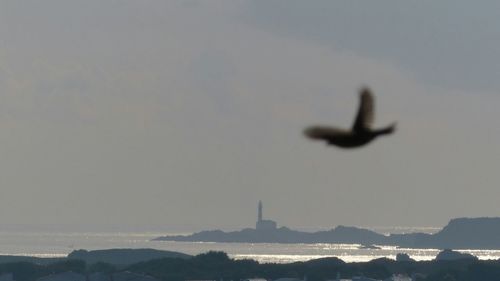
(264, 225)
(259, 216)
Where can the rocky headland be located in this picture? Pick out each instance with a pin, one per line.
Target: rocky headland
(459, 233)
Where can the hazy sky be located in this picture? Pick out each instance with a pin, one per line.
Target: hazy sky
(183, 114)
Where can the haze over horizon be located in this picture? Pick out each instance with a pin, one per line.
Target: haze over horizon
(186, 113)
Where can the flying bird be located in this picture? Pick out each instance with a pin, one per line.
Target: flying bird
(361, 132)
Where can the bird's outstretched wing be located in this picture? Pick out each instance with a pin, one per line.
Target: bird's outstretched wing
(365, 116)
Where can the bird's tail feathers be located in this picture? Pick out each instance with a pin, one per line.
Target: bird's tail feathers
(387, 130)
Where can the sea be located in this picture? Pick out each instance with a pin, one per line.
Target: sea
(60, 243)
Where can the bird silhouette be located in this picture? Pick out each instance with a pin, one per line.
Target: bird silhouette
(361, 132)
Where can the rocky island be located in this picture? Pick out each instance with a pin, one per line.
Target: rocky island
(459, 233)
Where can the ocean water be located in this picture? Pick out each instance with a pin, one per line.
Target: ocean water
(59, 244)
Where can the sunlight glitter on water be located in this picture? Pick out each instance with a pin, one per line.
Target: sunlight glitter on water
(297, 258)
(483, 254)
(418, 255)
(60, 244)
(345, 252)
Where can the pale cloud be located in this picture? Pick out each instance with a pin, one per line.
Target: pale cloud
(450, 43)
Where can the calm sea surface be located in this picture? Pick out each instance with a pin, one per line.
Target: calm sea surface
(59, 244)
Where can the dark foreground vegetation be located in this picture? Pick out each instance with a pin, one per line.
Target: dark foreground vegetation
(217, 266)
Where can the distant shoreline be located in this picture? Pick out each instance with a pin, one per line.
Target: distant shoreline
(459, 233)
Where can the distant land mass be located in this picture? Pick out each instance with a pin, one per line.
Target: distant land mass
(459, 233)
(28, 259)
(117, 257)
(123, 256)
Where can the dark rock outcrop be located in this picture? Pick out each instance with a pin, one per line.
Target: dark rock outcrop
(123, 256)
(461, 233)
(448, 255)
(404, 257)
